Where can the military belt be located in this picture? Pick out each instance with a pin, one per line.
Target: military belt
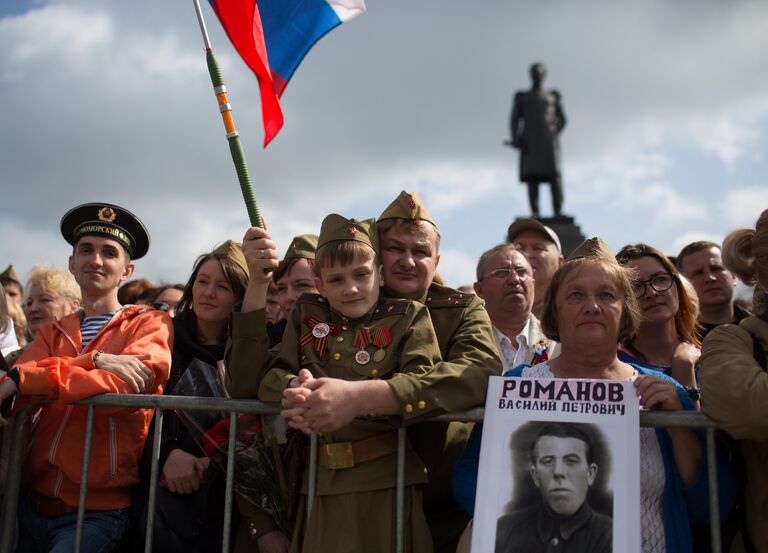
(345, 455)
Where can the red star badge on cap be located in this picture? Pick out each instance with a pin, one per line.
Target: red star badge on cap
(412, 204)
(352, 230)
(106, 214)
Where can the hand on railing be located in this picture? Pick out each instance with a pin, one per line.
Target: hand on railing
(128, 368)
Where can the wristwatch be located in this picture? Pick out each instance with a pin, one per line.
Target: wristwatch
(693, 392)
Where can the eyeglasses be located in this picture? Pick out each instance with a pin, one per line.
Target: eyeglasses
(503, 273)
(660, 283)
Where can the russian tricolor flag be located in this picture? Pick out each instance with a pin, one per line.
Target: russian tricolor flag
(273, 36)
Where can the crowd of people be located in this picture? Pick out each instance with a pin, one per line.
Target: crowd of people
(352, 332)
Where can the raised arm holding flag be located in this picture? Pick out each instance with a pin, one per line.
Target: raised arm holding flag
(272, 37)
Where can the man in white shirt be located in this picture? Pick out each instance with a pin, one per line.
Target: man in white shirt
(505, 281)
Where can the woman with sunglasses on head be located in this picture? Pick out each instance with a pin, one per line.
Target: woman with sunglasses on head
(666, 340)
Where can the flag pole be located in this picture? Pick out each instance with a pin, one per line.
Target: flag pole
(235, 148)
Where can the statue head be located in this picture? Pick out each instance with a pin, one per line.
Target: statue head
(538, 72)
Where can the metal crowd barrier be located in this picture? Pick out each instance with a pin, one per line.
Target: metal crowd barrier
(239, 406)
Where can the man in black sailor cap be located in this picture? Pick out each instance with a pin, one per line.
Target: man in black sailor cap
(103, 348)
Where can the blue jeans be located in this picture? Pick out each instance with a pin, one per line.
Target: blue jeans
(102, 531)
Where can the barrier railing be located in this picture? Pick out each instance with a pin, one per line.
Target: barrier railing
(238, 406)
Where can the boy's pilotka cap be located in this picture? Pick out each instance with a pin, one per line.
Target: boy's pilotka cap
(108, 221)
(303, 246)
(337, 228)
(407, 205)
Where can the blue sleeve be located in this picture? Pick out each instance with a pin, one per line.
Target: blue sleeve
(465, 471)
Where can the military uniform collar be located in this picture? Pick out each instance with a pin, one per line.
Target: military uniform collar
(550, 525)
(338, 318)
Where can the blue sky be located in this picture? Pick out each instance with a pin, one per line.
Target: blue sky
(107, 100)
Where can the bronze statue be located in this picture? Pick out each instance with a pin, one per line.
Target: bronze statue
(537, 119)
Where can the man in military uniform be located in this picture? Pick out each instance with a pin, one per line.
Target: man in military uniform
(536, 121)
(409, 243)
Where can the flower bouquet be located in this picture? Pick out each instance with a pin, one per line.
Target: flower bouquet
(262, 454)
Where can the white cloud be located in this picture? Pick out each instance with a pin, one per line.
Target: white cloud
(742, 206)
(60, 33)
(456, 267)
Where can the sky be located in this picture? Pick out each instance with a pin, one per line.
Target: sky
(107, 100)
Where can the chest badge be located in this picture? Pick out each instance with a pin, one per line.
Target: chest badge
(321, 330)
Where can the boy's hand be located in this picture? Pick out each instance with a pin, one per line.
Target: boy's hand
(330, 405)
(293, 400)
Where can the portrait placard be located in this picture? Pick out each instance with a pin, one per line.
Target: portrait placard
(559, 467)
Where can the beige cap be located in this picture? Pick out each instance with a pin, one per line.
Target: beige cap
(407, 205)
(593, 247)
(302, 246)
(234, 251)
(336, 228)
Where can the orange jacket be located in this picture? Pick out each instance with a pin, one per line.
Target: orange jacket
(55, 366)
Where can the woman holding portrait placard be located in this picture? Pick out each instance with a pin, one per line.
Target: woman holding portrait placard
(590, 308)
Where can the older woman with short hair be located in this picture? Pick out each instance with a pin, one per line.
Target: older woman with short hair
(52, 293)
(589, 308)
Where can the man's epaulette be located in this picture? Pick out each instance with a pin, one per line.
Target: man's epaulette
(390, 307)
(443, 296)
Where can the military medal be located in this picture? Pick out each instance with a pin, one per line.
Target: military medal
(321, 330)
(381, 338)
(318, 331)
(361, 341)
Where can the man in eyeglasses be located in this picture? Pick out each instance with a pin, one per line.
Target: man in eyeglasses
(505, 281)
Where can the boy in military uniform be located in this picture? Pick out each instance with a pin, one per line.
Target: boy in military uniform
(351, 334)
(409, 245)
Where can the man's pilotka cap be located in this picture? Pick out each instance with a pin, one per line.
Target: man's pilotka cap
(337, 228)
(407, 205)
(303, 246)
(521, 225)
(108, 221)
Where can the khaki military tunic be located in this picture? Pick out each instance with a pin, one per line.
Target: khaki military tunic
(402, 349)
(465, 338)
(464, 333)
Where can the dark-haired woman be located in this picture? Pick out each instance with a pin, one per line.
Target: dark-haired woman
(185, 518)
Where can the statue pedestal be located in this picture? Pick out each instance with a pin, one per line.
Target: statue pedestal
(566, 229)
